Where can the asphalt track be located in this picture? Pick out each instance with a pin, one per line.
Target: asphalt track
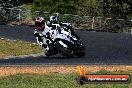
(102, 48)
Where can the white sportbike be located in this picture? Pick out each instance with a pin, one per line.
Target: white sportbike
(63, 42)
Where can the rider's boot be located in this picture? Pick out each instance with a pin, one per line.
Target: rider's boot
(74, 34)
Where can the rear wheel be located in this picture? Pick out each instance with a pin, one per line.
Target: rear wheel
(80, 51)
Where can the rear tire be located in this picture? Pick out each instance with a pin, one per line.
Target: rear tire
(80, 52)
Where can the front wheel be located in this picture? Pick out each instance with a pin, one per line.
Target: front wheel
(63, 49)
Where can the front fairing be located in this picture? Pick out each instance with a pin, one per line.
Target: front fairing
(65, 35)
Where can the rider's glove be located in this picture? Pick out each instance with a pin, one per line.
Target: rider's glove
(36, 34)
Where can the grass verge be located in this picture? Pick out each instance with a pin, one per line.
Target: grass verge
(16, 48)
(53, 80)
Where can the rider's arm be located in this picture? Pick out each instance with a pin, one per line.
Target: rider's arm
(39, 38)
(36, 33)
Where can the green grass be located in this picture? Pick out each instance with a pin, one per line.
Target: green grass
(52, 80)
(16, 48)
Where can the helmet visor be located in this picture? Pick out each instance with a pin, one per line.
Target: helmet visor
(39, 25)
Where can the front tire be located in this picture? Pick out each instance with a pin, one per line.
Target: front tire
(63, 50)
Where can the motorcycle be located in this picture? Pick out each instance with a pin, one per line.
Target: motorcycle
(63, 42)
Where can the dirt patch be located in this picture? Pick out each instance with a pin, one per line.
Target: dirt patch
(12, 70)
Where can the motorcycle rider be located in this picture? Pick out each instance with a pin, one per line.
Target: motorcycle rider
(39, 28)
(55, 20)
